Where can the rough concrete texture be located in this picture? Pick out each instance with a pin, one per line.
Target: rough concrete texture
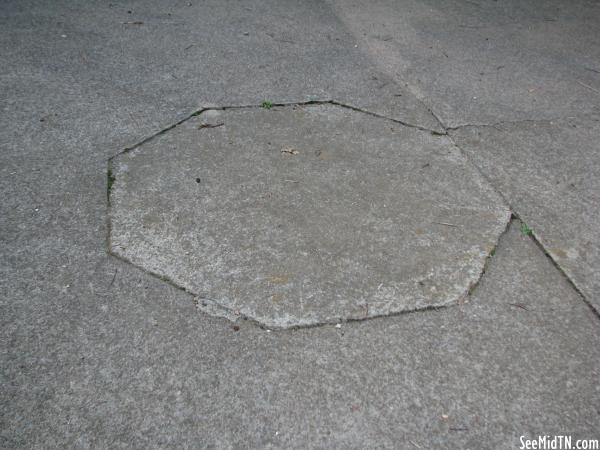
(95, 353)
(303, 215)
(506, 64)
(481, 62)
(141, 368)
(549, 173)
(173, 59)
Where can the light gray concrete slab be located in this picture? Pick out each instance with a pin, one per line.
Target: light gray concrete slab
(304, 215)
(549, 172)
(480, 62)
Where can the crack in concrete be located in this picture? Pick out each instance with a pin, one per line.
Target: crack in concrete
(535, 238)
(498, 125)
(274, 105)
(228, 314)
(489, 257)
(380, 116)
(197, 299)
(556, 264)
(201, 302)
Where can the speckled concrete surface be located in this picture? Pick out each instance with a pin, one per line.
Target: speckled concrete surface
(96, 353)
(305, 215)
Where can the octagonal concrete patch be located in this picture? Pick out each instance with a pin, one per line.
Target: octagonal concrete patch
(302, 215)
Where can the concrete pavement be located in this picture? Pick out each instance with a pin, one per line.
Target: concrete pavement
(98, 353)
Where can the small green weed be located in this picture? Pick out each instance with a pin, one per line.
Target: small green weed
(267, 104)
(109, 182)
(525, 230)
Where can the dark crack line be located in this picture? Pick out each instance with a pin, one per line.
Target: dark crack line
(436, 117)
(533, 236)
(490, 255)
(471, 288)
(212, 108)
(110, 178)
(380, 116)
(197, 299)
(158, 276)
(227, 311)
(159, 133)
(498, 125)
(274, 105)
(558, 267)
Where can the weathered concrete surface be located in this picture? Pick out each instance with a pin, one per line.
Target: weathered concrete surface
(134, 365)
(181, 57)
(496, 62)
(549, 172)
(304, 215)
(481, 62)
(96, 354)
